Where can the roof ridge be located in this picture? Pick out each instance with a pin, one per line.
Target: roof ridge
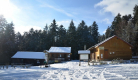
(107, 40)
(103, 41)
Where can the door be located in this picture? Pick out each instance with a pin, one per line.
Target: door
(106, 54)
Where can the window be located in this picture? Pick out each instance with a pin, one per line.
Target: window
(113, 52)
(105, 49)
(60, 55)
(69, 55)
(110, 52)
(52, 55)
(101, 55)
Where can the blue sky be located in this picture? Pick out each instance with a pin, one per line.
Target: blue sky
(27, 14)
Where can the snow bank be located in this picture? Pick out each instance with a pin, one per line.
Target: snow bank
(72, 71)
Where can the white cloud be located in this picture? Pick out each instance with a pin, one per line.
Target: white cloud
(117, 6)
(104, 31)
(106, 20)
(23, 29)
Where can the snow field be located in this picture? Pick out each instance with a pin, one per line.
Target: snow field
(72, 71)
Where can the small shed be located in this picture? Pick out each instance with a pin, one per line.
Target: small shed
(23, 57)
(57, 54)
(84, 55)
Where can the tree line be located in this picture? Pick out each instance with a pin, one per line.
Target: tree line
(51, 35)
(125, 27)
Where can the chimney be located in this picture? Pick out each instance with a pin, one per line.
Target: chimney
(84, 47)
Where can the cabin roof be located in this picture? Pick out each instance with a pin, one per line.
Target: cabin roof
(106, 41)
(60, 50)
(29, 55)
(83, 52)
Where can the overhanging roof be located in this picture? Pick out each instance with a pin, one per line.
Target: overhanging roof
(29, 55)
(83, 52)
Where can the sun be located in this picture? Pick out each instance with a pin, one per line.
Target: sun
(7, 8)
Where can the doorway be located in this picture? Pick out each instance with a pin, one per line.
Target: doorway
(106, 53)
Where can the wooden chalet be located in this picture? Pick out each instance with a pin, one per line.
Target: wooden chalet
(58, 54)
(111, 48)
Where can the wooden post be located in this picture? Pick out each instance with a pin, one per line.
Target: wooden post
(48, 59)
(6, 66)
(92, 63)
(88, 62)
(79, 63)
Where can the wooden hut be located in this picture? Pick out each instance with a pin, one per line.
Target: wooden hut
(24, 57)
(58, 54)
(111, 48)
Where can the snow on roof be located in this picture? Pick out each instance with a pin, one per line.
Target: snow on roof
(29, 55)
(60, 50)
(83, 52)
(134, 56)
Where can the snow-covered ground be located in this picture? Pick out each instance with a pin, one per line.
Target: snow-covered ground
(72, 71)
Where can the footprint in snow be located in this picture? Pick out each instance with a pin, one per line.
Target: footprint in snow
(70, 72)
(55, 72)
(53, 76)
(77, 76)
(94, 78)
(85, 77)
(49, 79)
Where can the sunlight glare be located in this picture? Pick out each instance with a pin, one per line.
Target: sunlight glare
(7, 8)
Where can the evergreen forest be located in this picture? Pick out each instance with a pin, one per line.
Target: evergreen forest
(123, 26)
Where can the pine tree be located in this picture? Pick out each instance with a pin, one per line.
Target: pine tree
(95, 32)
(101, 38)
(3, 24)
(115, 25)
(53, 31)
(61, 35)
(46, 29)
(9, 46)
(83, 35)
(135, 13)
(71, 39)
(18, 40)
(108, 32)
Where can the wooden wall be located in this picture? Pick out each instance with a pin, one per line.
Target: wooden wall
(52, 56)
(114, 48)
(27, 61)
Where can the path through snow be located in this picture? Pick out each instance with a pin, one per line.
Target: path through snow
(72, 71)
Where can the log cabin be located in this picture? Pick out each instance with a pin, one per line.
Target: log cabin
(111, 48)
(58, 54)
(26, 57)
